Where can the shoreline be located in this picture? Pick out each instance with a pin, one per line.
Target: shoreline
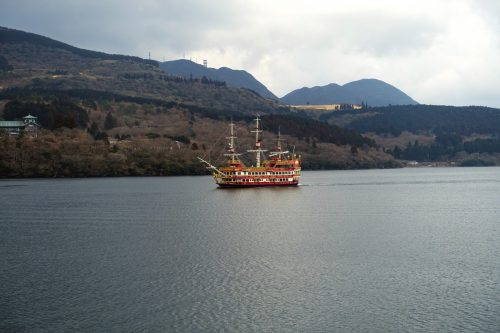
(420, 165)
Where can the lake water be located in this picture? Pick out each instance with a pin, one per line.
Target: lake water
(408, 250)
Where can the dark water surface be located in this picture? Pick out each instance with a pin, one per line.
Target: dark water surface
(410, 250)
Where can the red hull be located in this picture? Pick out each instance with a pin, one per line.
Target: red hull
(258, 184)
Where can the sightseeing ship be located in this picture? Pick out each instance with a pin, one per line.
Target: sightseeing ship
(282, 168)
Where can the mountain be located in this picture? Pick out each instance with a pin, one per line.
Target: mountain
(111, 115)
(369, 91)
(12, 36)
(37, 62)
(233, 78)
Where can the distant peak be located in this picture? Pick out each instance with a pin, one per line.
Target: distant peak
(375, 92)
(233, 77)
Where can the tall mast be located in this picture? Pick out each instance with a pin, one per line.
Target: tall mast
(278, 147)
(231, 150)
(257, 149)
(279, 151)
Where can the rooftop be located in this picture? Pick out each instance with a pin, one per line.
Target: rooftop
(11, 123)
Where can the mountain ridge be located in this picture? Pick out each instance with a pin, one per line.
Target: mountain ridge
(13, 36)
(373, 92)
(355, 92)
(237, 78)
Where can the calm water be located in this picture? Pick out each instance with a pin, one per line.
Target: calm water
(414, 250)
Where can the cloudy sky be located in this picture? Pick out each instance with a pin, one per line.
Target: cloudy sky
(437, 51)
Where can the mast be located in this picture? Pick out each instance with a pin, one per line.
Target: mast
(279, 151)
(278, 146)
(257, 149)
(231, 150)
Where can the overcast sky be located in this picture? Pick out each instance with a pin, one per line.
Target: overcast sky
(437, 51)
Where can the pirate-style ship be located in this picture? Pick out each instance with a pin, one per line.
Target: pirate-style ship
(282, 168)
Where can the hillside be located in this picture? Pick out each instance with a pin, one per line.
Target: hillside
(233, 78)
(42, 63)
(117, 115)
(12, 36)
(367, 91)
(429, 133)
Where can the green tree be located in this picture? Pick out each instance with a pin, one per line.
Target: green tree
(93, 129)
(110, 121)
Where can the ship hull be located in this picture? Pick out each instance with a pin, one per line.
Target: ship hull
(257, 184)
(237, 176)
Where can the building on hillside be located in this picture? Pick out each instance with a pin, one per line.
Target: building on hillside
(28, 125)
(327, 107)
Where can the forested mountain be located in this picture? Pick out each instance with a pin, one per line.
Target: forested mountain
(12, 36)
(116, 115)
(367, 91)
(465, 120)
(466, 135)
(233, 78)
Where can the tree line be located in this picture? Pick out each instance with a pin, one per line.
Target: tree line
(75, 153)
(445, 146)
(55, 114)
(393, 120)
(302, 128)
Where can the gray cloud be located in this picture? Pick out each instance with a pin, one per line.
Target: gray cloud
(441, 52)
